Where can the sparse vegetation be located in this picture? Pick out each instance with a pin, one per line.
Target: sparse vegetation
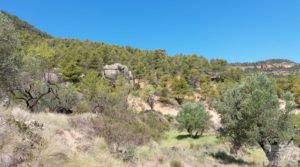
(67, 112)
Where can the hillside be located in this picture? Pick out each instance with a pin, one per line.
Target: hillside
(73, 103)
(275, 67)
(24, 27)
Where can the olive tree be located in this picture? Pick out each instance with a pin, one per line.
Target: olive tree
(29, 85)
(8, 43)
(251, 114)
(193, 118)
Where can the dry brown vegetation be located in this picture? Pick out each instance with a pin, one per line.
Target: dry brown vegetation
(126, 139)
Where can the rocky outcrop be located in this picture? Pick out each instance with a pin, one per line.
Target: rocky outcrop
(114, 70)
(275, 67)
(286, 154)
(52, 78)
(290, 155)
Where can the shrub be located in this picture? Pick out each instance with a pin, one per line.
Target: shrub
(123, 131)
(63, 99)
(297, 126)
(180, 88)
(176, 163)
(193, 118)
(147, 94)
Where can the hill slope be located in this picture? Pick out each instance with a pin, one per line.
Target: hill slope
(275, 67)
(23, 26)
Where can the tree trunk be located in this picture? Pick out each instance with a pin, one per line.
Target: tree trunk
(179, 100)
(190, 131)
(196, 134)
(272, 153)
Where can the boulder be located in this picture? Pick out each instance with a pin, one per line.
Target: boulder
(114, 70)
(52, 78)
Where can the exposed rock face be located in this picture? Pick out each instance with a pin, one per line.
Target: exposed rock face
(275, 67)
(4, 102)
(284, 154)
(114, 70)
(52, 78)
(289, 154)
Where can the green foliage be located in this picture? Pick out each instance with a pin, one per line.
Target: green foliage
(180, 88)
(295, 88)
(63, 99)
(176, 163)
(250, 113)
(290, 84)
(155, 123)
(123, 131)
(44, 53)
(72, 72)
(234, 75)
(296, 91)
(193, 118)
(92, 84)
(147, 94)
(101, 96)
(218, 65)
(8, 58)
(297, 131)
(29, 85)
(23, 26)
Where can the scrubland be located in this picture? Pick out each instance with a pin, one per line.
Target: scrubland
(51, 139)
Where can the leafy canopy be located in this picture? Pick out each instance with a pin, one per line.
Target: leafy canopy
(250, 113)
(193, 118)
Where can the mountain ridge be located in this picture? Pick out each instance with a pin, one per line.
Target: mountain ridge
(277, 67)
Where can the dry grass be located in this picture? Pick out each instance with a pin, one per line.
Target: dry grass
(70, 141)
(178, 149)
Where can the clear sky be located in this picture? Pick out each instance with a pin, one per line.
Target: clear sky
(235, 30)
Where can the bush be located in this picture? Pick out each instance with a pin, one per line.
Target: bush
(193, 118)
(297, 134)
(176, 163)
(63, 99)
(147, 94)
(180, 88)
(123, 131)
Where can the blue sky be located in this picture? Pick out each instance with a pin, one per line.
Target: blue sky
(235, 30)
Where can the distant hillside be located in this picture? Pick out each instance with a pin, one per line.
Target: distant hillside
(145, 64)
(275, 67)
(23, 26)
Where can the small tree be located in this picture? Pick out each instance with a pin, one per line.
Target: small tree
(62, 99)
(147, 95)
(72, 72)
(96, 91)
(29, 85)
(180, 88)
(250, 114)
(193, 118)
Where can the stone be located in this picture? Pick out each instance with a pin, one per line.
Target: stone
(52, 78)
(114, 70)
